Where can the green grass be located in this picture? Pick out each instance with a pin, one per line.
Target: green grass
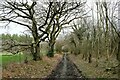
(6, 59)
(12, 58)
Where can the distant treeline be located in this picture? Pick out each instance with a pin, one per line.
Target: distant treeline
(16, 37)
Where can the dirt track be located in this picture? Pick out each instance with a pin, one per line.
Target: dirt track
(66, 69)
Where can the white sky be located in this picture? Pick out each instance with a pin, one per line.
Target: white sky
(17, 29)
(12, 29)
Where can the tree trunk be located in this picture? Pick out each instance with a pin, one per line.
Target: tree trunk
(89, 58)
(36, 55)
(51, 49)
(35, 50)
(36, 46)
(118, 58)
(84, 57)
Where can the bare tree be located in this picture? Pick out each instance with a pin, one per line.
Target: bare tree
(52, 17)
(65, 13)
(24, 13)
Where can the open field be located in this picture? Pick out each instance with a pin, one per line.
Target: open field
(9, 58)
(6, 58)
(12, 59)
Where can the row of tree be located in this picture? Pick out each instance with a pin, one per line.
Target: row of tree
(44, 20)
(17, 38)
(97, 37)
(95, 33)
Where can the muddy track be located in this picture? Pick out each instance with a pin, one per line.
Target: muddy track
(66, 69)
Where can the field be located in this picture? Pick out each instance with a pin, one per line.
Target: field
(6, 58)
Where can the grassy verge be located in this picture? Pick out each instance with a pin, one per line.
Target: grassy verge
(91, 71)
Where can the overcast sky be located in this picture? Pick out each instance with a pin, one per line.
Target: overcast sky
(17, 29)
